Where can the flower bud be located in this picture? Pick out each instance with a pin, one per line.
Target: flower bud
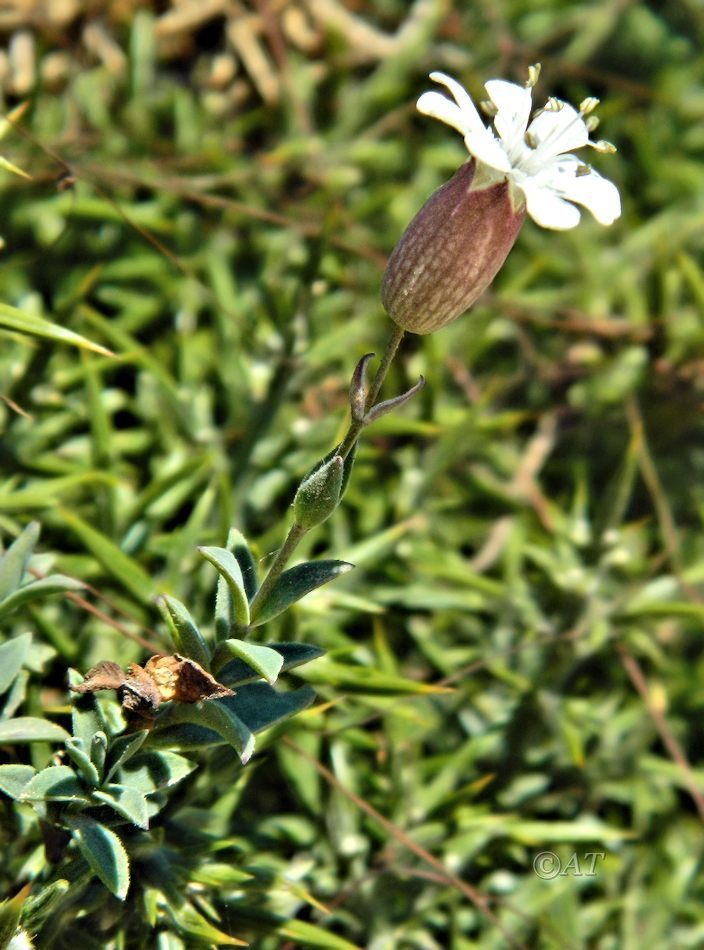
(450, 252)
(319, 493)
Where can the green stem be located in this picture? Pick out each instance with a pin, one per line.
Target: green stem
(356, 425)
(293, 537)
(297, 531)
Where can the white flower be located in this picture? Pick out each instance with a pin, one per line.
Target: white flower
(533, 157)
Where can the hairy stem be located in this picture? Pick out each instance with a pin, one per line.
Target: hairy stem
(293, 537)
(297, 531)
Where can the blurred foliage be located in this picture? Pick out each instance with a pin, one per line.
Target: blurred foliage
(513, 667)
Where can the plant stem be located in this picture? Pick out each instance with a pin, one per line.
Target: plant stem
(297, 531)
(293, 537)
(356, 425)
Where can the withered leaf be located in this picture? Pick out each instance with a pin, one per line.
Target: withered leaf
(139, 691)
(104, 675)
(182, 680)
(162, 679)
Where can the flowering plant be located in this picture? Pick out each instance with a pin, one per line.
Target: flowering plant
(454, 247)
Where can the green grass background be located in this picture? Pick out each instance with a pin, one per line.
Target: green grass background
(515, 664)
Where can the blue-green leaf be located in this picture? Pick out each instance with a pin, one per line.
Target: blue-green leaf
(126, 801)
(99, 750)
(216, 715)
(231, 605)
(16, 694)
(256, 706)
(103, 852)
(82, 761)
(13, 562)
(186, 636)
(13, 778)
(12, 656)
(54, 584)
(57, 783)
(121, 750)
(154, 770)
(237, 543)
(295, 584)
(263, 660)
(292, 655)
(31, 729)
(259, 706)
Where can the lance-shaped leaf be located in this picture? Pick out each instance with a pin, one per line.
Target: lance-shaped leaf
(57, 783)
(152, 771)
(103, 852)
(216, 716)
(263, 660)
(13, 562)
(16, 694)
(382, 408)
(259, 706)
(12, 656)
(292, 655)
(99, 750)
(31, 729)
(256, 706)
(19, 322)
(121, 750)
(126, 801)
(187, 637)
(13, 779)
(54, 584)
(237, 543)
(82, 761)
(231, 605)
(295, 584)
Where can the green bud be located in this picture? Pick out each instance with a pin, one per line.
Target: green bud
(318, 494)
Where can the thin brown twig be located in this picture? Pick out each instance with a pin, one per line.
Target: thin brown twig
(637, 677)
(104, 617)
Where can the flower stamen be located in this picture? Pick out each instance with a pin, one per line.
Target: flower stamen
(588, 105)
(533, 75)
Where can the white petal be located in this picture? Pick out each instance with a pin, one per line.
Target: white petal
(479, 140)
(513, 103)
(596, 194)
(440, 107)
(555, 131)
(547, 208)
(463, 100)
(487, 149)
